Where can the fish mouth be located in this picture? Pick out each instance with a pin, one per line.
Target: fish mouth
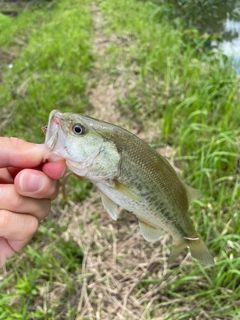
(55, 138)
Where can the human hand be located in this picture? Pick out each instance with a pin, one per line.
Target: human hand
(26, 189)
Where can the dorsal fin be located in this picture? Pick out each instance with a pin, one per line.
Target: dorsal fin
(192, 194)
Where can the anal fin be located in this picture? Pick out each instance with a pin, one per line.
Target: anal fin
(110, 206)
(148, 232)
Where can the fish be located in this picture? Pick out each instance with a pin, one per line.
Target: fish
(128, 174)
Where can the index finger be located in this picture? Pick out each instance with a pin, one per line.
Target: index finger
(19, 153)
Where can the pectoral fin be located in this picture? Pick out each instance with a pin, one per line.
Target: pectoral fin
(148, 232)
(125, 190)
(110, 206)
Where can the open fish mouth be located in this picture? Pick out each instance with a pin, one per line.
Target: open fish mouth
(55, 138)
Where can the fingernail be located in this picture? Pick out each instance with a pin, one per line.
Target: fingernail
(30, 181)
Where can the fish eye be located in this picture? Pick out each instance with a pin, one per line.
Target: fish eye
(78, 129)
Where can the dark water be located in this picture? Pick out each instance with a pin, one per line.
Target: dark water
(227, 23)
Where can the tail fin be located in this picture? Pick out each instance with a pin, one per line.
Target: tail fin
(197, 248)
(200, 252)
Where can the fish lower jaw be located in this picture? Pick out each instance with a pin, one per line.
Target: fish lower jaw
(79, 168)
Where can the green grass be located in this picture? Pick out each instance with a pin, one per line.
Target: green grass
(192, 94)
(50, 73)
(197, 98)
(52, 60)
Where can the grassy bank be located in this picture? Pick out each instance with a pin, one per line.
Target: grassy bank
(51, 66)
(80, 264)
(50, 53)
(196, 96)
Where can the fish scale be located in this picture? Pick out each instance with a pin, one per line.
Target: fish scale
(151, 173)
(130, 174)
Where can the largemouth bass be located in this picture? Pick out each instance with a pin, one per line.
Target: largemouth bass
(130, 174)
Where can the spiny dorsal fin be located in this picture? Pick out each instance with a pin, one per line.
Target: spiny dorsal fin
(192, 194)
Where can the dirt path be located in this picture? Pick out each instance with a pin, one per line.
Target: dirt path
(108, 89)
(116, 257)
(104, 96)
